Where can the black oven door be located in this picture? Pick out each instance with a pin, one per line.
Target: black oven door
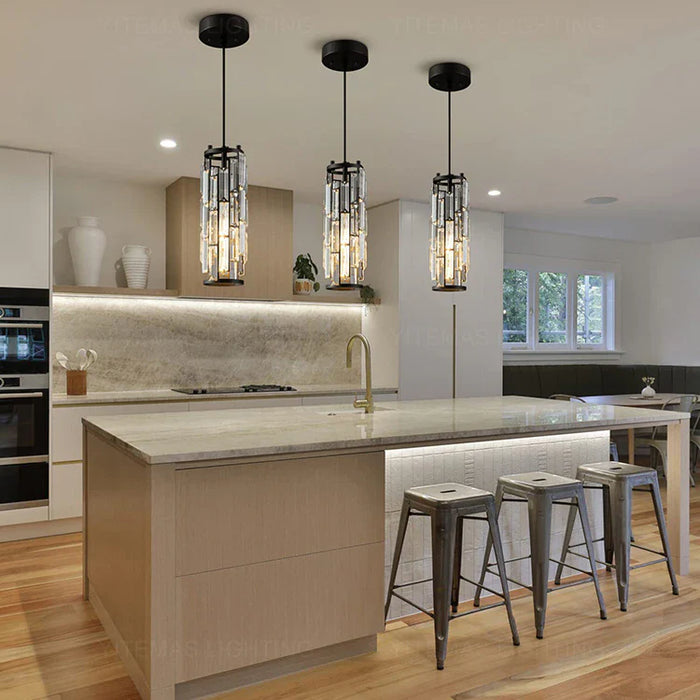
(23, 483)
(24, 423)
(24, 347)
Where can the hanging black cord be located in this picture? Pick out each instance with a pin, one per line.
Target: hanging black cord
(345, 117)
(449, 132)
(223, 102)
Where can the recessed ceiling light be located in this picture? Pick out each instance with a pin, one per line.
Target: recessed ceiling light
(168, 143)
(600, 200)
(494, 193)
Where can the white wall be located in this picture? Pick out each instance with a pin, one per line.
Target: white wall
(674, 317)
(381, 323)
(633, 289)
(308, 232)
(425, 357)
(128, 213)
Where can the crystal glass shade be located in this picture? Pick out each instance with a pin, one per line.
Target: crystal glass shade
(449, 234)
(224, 215)
(345, 226)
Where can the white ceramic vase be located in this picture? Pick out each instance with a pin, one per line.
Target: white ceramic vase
(136, 260)
(87, 242)
(648, 392)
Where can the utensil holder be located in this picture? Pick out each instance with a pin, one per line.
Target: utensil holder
(76, 382)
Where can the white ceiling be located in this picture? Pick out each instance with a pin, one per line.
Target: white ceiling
(569, 99)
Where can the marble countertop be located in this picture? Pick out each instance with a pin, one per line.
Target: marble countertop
(234, 433)
(167, 395)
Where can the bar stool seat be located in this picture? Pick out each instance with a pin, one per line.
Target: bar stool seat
(450, 495)
(448, 506)
(537, 482)
(617, 480)
(542, 490)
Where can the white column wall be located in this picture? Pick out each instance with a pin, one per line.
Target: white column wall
(425, 316)
(381, 323)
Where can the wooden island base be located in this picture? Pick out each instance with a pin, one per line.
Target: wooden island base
(250, 570)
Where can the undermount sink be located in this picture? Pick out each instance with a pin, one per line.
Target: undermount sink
(351, 410)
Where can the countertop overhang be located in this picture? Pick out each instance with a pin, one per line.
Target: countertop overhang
(176, 438)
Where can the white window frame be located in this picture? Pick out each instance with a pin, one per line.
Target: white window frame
(533, 265)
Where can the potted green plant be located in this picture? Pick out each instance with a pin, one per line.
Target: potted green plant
(305, 272)
(367, 294)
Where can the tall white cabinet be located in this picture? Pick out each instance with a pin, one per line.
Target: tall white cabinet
(25, 218)
(418, 330)
(25, 261)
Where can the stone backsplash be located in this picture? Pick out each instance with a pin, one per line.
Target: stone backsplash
(147, 343)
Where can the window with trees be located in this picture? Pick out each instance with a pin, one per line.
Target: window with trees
(557, 305)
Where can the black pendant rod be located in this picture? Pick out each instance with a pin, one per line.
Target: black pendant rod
(345, 117)
(223, 102)
(449, 132)
(223, 31)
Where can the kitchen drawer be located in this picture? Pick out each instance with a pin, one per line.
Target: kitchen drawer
(232, 516)
(19, 516)
(246, 615)
(67, 435)
(225, 404)
(66, 491)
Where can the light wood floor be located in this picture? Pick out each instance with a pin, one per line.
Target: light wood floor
(53, 646)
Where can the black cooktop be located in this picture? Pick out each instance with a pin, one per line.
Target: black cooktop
(244, 389)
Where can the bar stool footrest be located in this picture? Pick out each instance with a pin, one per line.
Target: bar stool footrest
(663, 559)
(453, 616)
(559, 586)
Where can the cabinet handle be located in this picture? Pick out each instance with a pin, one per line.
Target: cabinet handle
(32, 395)
(21, 325)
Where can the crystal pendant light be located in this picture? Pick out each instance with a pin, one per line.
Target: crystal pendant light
(449, 217)
(345, 216)
(224, 180)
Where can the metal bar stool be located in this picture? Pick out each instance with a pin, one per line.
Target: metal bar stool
(448, 506)
(541, 490)
(617, 481)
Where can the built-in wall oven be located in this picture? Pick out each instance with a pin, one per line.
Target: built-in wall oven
(24, 398)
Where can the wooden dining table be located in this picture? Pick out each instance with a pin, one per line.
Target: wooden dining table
(634, 401)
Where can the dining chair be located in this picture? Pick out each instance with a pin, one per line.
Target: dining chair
(567, 397)
(658, 440)
(614, 454)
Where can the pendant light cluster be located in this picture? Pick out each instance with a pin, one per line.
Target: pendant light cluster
(449, 211)
(224, 185)
(224, 178)
(345, 215)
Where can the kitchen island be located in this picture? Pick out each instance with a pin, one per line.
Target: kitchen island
(227, 547)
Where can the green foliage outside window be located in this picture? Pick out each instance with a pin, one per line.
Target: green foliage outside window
(515, 306)
(589, 309)
(552, 293)
(552, 307)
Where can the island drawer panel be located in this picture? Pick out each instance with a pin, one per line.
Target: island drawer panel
(236, 617)
(242, 514)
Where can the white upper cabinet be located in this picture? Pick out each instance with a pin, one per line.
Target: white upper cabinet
(25, 218)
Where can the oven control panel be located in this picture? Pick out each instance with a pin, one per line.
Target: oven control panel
(10, 312)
